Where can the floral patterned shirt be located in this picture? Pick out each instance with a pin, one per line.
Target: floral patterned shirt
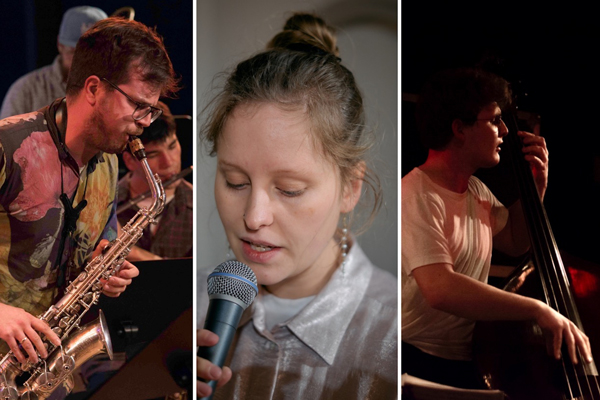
(35, 169)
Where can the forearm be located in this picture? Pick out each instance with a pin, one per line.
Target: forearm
(139, 254)
(463, 296)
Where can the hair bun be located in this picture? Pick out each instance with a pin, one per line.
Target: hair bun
(306, 32)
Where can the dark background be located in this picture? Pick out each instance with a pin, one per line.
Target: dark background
(29, 28)
(548, 53)
(28, 34)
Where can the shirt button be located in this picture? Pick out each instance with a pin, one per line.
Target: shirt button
(270, 345)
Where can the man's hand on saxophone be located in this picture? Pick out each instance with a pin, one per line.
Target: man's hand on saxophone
(21, 331)
(120, 280)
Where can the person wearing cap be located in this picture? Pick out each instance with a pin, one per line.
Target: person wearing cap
(59, 173)
(40, 87)
(171, 237)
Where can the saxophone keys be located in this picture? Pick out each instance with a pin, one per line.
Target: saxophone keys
(26, 366)
(65, 364)
(87, 298)
(106, 248)
(58, 331)
(29, 395)
(64, 322)
(9, 393)
(74, 309)
(46, 379)
(8, 390)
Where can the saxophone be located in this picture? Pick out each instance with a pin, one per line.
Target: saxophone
(79, 344)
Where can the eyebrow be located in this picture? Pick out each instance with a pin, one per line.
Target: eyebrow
(142, 102)
(169, 144)
(227, 165)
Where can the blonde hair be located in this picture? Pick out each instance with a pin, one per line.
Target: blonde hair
(301, 69)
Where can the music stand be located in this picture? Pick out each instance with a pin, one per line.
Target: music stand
(151, 323)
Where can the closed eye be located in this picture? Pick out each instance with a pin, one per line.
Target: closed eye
(291, 193)
(234, 186)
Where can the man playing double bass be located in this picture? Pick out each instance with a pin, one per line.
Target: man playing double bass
(450, 220)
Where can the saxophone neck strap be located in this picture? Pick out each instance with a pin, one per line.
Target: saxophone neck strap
(56, 118)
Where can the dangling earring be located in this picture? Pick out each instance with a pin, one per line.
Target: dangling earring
(344, 242)
(229, 255)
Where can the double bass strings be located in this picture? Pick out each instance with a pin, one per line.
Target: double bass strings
(547, 260)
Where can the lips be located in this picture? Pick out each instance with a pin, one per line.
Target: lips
(168, 175)
(258, 251)
(259, 246)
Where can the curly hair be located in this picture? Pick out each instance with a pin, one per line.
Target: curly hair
(113, 47)
(456, 94)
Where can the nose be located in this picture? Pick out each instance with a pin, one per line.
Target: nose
(258, 212)
(166, 160)
(145, 122)
(503, 129)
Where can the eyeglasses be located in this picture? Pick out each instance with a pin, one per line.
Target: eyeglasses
(141, 110)
(497, 120)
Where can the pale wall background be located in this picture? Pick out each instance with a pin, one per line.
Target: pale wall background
(229, 31)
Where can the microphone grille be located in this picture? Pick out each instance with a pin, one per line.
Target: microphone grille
(235, 279)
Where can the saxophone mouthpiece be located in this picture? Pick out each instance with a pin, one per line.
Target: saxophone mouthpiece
(137, 148)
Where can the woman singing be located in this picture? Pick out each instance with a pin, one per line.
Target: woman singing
(289, 136)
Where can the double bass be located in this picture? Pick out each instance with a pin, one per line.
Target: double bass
(512, 356)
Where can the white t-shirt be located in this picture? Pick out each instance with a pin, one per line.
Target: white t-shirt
(441, 226)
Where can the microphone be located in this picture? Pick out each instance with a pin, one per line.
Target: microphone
(232, 287)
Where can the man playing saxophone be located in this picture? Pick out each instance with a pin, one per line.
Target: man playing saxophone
(59, 171)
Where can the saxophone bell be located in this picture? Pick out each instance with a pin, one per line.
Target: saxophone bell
(79, 344)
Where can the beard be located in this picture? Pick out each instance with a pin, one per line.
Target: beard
(102, 138)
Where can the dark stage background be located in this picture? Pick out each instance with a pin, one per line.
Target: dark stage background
(550, 53)
(29, 28)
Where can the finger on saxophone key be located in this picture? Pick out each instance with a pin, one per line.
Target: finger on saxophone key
(44, 328)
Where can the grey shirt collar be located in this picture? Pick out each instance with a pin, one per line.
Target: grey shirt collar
(330, 313)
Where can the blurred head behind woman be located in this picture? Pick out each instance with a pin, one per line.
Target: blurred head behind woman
(288, 130)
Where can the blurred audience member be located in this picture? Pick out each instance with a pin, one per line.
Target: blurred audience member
(41, 87)
(171, 237)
